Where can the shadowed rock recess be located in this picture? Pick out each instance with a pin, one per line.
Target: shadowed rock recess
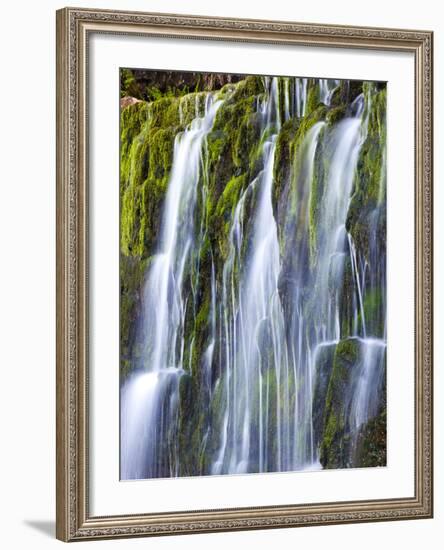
(252, 274)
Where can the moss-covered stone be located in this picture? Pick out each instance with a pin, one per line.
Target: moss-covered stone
(313, 96)
(371, 446)
(369, 182)
(318, 183)
(132, 275)
(289, 150)
(346, 92)
(335, 443)
(323, 369)
(374, 312)
(336, 114)
(347, 303)
(225, 210)
(283, 158)
(164, 112)
(250, 87)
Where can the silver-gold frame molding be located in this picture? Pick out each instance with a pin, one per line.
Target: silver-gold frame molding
(74, 521)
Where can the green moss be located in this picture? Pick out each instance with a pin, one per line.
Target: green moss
(230, 196)
(128, 84)
(132, 178)
(355, 88)
(289, 149)
(256, 163)
(233, 156)
(347, 352)
(323, 369)
(235, 134)
(372, 442)
(218, 403)
(164, 112)
(313, 96)
(334, 449)
(161, 148)
(132, 271)
(337, 99)
(287, 191)
(370, 178)
(347, 300)
(374, 312)
(132, 120)
(143, 185)
(250, 87)
(146, 160)
(320, 176)
(191, 106)
(193, 418)
(270, 382)
(225, 210)
(244, 143)
(216, 418)
(283, 157)
(335, 115)
(233, 141)
(317, 115)
(346, 92)
(197, 332)
(203, 315)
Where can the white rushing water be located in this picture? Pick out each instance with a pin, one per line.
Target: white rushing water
(326, 89)
(266, 333)
(253, 318)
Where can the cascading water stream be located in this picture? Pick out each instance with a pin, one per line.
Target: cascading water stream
(326, 89)
(298, 210)
(369, 277)
(365, 401)
(253, 320)
(300, 96)
(149, 399)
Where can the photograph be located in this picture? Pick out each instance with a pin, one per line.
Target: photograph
(244, 272)
(252, 274)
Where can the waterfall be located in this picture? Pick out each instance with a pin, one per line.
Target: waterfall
(300, 96)
(164, 305)
(253, 321)
(287, 282)
(149, 399)
(326, 89)
(365, 399)
(369, 277)
(301, 428)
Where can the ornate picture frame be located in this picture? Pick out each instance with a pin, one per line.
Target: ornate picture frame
(74, 210)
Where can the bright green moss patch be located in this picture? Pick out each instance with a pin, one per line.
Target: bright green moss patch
(225, 211)
(248, 88)
(335, 115)
(230, 196)
(283, 157)
(313, 96)
(164, 112)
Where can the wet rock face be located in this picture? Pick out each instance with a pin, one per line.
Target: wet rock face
(149, 85)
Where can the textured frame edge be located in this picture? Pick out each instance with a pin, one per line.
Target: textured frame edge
(72, 521)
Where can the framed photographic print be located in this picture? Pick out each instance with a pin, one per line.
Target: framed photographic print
(244, 274)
